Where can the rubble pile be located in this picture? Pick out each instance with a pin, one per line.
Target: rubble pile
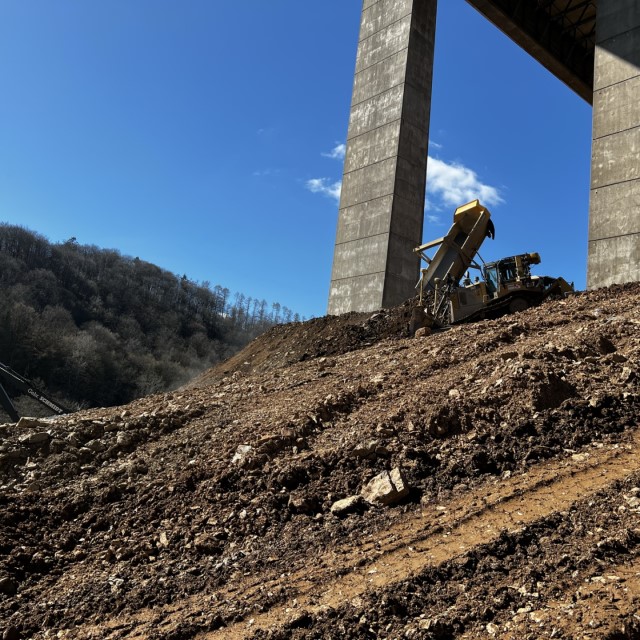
(340, 478)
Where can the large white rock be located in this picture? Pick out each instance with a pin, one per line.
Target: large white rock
(346, 505)
(33, 423)
(37, 438)
(386, 488)
(241, 453)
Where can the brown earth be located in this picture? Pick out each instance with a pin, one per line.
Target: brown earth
(207, 512)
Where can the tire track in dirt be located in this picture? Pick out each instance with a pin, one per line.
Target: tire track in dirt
(437, 535)
(408, 549)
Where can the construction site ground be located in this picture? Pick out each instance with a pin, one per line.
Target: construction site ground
(210, 512)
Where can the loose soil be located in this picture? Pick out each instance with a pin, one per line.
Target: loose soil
(206, 513)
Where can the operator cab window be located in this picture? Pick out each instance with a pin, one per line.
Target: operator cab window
(508, 272)
(491, 278)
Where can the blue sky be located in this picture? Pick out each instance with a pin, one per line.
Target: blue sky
(205, 136)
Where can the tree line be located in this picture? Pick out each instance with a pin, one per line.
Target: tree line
(99, 329)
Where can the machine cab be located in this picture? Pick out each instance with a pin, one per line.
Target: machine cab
(492, 279)
(513, 269)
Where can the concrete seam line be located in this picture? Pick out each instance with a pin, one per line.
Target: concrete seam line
(386, 124)
(608, 135)
(373, 4)
(375, 33)
(404, 81)
(372, 164)
(618, 35)
(613, 184)
(615, 84)
(359, 275)
(622, 235)
(375, 64)
(364, 133)
(357, 104)
(385, 195)
(375, 235)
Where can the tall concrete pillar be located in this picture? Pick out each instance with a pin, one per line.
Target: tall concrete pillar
(383, 187)
(614, 220)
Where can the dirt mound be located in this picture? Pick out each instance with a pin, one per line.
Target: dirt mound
(346, 482)
(284, 345)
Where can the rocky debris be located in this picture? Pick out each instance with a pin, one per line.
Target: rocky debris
(241, 454)
(36, 438)
(190, 496)
(633, 499)
(33, 423)
(347, 505)
(302, 504)
(318, 339)
(206, 543)
(75, 443)
(369, 450)
(386, 488)
(11, 633)
(8, 586)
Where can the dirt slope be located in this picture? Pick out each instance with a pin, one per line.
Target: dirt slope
(207, 513)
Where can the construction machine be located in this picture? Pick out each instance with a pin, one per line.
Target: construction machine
(26, 386)
(446, 292)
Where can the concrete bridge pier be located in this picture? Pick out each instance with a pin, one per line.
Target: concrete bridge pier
(614, 217)
(383, 187)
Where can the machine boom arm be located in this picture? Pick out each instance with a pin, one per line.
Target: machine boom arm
(26, 386)
(457, 250)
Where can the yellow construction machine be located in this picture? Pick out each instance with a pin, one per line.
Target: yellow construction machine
(446, 292)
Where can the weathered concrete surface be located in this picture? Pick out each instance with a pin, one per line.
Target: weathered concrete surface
(616, 259)
(613, 14)
(382, 202)
(614, 218)
(606, 220)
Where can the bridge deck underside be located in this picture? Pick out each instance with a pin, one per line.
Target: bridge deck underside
(560, 34)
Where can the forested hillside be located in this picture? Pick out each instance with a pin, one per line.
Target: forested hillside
(98, 328)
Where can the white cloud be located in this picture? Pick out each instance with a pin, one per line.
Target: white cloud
(448, 185)
(337, 153)
(454, 184)
(325, 187)
(261, 173)
(435, 145)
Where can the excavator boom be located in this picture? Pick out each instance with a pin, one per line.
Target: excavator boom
(457, 250)
(26, 386)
